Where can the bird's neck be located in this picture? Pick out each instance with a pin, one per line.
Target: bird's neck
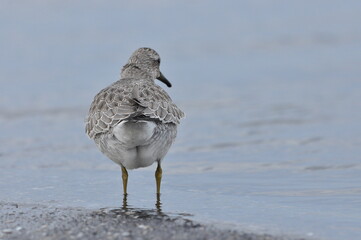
(133, 71)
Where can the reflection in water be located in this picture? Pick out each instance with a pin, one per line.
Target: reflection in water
(158, 204)
(137, 212)
(137, 215)
(125, 201)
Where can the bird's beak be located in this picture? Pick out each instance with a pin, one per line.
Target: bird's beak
(164, 80)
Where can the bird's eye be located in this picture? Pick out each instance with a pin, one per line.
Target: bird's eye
(158, 60)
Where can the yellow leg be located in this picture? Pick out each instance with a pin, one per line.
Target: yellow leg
(125, 179)
(158, 177)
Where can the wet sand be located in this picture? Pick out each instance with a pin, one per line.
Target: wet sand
(32, 221)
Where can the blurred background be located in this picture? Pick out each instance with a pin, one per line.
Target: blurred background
(271, 90)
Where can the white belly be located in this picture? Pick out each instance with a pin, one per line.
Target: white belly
(134, 133)
(134, 138)
(135, 144)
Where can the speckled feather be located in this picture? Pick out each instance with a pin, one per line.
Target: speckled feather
(129, 98)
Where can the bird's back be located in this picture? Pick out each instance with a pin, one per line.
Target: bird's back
(128, 99)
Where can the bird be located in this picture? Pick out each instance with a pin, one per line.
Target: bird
(134, 121)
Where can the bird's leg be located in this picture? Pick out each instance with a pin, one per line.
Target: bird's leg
(125, 179)
(158, 177)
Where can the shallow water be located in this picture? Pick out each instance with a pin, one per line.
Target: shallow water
(271, 141)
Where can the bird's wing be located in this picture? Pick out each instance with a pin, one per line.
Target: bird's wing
(157, 103)
(122, 101)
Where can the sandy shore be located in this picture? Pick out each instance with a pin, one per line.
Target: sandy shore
(22, 221)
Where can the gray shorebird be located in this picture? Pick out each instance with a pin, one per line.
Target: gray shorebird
(134, 121)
